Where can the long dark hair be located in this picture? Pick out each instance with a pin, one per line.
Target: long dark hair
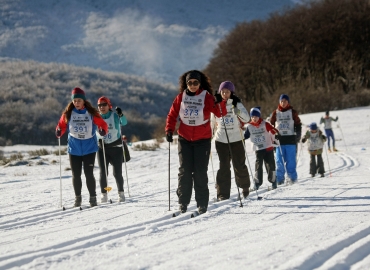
(68, 110)
(205, 81)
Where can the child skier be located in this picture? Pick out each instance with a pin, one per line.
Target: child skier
(315, 140)
(288, 123)
(262, 134)
(328, 130)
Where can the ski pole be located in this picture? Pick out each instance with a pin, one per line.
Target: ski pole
(169, 179)
(231, 154)
(210, 156)
(213, 170)
(60, 173)
(327, 158)
(124, 158)
(250, 168)
(342, 135)
(107, 188)
(300, 152)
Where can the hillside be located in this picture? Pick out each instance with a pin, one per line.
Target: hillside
(33, 96)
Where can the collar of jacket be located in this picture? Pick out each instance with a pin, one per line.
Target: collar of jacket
(284, 109)
(256, 124)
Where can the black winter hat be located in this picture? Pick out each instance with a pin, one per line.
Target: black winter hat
(193, 75)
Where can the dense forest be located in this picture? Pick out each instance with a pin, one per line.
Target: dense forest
(33, 96)
(317, 53)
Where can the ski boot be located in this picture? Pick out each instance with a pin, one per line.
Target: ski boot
(221, 198)
(256, 186)
(183, 208)
(78, 201)
(202, 209)
(93, 202)
(121, 196)
(245, 193)
(329, 150)
(274, 185)
(104, 198)
(322, 175)
(335, 149)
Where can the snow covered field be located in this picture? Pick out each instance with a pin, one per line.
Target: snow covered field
(319, 223)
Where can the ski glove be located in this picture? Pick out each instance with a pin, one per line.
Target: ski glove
(303, 140)
(169, 137)
(336, 119)
(102, 132)
(58, 133)
(119, 111)
(235, 99)
(218, 98)
(323, 138)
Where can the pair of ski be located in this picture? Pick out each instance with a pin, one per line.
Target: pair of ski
(193, 214)
(83, 207)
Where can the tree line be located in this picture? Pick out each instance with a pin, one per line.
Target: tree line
(318, 53)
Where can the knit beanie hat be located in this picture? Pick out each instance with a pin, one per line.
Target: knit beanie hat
(228, 85)
(104, 99)
(256, 111)
(285, 96)
(193, 75)
(78, 93)
(313, 126)
(327, 113)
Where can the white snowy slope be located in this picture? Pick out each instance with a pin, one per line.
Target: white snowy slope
(158, 39)
(318, 223)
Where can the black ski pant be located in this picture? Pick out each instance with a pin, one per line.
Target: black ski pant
(316, 167)
(223, 178)
(269, 159)
(114, 156)
(76, 166)
(194, 158)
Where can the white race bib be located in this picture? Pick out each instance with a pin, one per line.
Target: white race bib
(327, 124)
(80, 125)
(260, 137)
(285, 122)
(191, 109)
(112, 131)
(315, 142)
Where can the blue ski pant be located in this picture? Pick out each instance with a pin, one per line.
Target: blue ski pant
(287, 154)
(330, 134)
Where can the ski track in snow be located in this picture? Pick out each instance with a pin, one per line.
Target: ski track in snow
(162, 222)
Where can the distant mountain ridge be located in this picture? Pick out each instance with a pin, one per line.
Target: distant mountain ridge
(157, 39)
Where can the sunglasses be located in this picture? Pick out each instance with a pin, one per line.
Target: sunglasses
(195, 83)
(102, 105)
